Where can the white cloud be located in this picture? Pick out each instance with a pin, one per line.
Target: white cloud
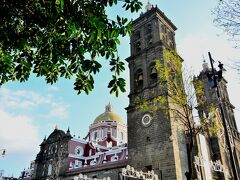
(21, 99)
(193, 47)
(25, 100)
(18, 134)
(53, 88)
(59, 111)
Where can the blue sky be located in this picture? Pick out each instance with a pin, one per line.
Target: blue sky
(29, 111)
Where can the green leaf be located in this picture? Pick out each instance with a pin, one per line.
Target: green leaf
(51, 41)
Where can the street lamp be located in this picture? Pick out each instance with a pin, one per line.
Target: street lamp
(3, 152)
(214, 77)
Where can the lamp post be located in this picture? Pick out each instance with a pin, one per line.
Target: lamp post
(3, 152)
(215, 77)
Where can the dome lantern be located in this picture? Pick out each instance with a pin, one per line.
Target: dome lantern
(108, 116)
(108, 108)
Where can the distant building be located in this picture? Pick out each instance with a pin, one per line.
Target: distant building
(63, 156)
(212, 144)
(27, 174)
(7, 178)
(151, 142)
(2, 177)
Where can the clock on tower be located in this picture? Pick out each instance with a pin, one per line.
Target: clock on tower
(153, 143)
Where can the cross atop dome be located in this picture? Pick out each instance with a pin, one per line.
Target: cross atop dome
(108, 108)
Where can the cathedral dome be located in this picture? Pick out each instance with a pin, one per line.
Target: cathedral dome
(108, 115)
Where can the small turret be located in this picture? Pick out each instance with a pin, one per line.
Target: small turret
(205, 66)
(68, 132)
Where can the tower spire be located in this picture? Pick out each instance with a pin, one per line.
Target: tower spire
(205, 65)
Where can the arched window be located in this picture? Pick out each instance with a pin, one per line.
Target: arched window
(122, 136)
(149, 40)
(114, 158)
(149, 28)
(95, 135)
(49, 170)
(153, 74)
(109, 144)
(93, 162)
(139, 79)
(137, 35)
(90, 152)
(71, 165)
(77, 164)
(138, 46)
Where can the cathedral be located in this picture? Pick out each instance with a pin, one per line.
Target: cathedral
(151, 145)
(213, 145)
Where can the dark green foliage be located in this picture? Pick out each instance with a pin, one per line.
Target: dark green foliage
(51, 38)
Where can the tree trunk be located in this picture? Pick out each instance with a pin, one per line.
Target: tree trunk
(190, 159)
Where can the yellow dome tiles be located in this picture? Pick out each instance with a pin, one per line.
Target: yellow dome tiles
(108, 115)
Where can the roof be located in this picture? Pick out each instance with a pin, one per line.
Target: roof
(108, 115)
(157, 10)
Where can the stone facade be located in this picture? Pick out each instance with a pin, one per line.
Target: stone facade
(154, 146)
(215, 141)
(51, 161)
(152, 141)
(102, 153)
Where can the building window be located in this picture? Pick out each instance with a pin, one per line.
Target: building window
(139, 79)
(77, 164)
(109, 144)
(95, 135)
(164, 28)
(114, 158)
(148, 139)
(149, 168)
(150, 40)
(49, 170)
(122, 136)
(137, 35)
(149, 28)
(153, 73)
(164, 39)
(70, 165)
(93, 162)
(79, 150)
(138, 46)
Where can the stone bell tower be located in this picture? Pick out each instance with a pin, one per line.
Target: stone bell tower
(153, 142)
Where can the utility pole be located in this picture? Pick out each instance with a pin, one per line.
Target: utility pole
(215, 77)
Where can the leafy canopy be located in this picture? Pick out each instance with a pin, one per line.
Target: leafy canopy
(51, 38)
